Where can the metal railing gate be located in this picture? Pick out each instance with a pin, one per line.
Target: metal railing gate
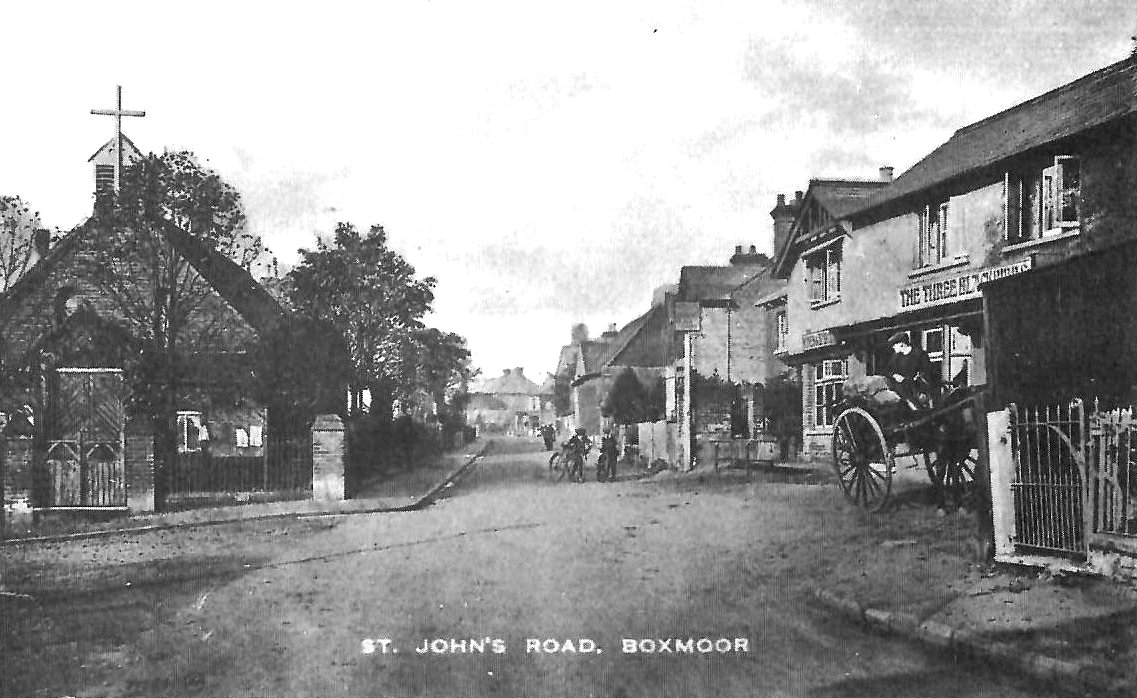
(1049, 446)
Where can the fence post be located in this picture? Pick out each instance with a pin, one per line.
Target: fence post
(1001, 470)
(985, 532)
(327, 458)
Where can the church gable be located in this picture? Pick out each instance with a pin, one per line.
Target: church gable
(62, 284)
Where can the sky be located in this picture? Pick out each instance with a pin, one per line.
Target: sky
(549, 163)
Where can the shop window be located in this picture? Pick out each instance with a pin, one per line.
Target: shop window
(959, 359)
(1044, 202)
(933, 341)
(932, 234)
(823, 272)
(949, 351)
(827, 379)
(189, 432)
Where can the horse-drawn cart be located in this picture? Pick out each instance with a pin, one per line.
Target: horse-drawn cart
(868, 438)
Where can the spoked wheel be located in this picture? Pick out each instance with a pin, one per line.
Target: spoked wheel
(952, 471)
(557, 469)
(863, 459)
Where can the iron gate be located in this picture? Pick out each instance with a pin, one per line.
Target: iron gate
(85, 464)
(1113, 463)
(1048, 446)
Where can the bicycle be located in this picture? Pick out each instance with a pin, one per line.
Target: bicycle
(566, 462)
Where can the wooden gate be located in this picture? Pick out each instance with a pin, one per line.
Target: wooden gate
(85, 465)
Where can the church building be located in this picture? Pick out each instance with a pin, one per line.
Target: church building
(79, 437)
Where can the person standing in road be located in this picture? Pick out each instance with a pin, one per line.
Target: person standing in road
(608, 454)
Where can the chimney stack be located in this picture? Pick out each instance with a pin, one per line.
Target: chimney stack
(783, 215)
(886, 173)
(41, 238)
(519, 371)
(505, 371)
(753, 249)
(798, 197)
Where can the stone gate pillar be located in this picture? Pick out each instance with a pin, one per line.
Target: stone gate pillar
(327, 458)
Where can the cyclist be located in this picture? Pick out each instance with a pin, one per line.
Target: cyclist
(577, 447)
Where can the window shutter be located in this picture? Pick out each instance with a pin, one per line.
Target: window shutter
(808, 382)
(1068, 178)
(1049, 184)
(1012, 207)
(942, 243)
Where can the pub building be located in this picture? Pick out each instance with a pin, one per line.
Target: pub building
(1048, 179)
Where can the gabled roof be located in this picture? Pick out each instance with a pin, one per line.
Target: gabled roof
(1092, 100)
(509, 383)
(699, 283)
(650, 344)
(233, 283)
(109, 145)
(843, 196)
(593, 353)
(838, 198)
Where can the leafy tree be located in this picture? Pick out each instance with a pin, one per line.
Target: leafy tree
(371, 295)
(18, 229)
(442, 365)
(153, 285)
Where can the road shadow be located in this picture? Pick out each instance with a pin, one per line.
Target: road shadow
(69, 631)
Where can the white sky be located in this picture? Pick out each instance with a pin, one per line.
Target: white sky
(549, 163)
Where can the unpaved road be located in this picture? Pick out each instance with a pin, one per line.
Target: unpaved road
(305, 608)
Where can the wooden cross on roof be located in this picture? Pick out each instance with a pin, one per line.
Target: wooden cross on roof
(118, 113)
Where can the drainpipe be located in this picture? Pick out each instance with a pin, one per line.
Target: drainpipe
(688, 416)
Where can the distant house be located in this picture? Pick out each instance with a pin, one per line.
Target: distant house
(509, 403)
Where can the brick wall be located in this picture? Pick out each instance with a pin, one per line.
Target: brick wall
(17, 482)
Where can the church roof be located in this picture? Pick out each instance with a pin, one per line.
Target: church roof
(109, 147)
(233, 283)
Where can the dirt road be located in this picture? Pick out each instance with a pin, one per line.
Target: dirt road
(525, 588)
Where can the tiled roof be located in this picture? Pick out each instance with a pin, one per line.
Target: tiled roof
(842, 196)
(1089, 101)
(512, 383)
(708, 283)
(235, 284)
(651, 344)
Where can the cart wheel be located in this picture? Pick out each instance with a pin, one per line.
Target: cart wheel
(862, 458)
(952, 471)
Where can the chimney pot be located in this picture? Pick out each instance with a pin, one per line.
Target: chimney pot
(505, 372)
(798, 195)
(781, 199)
(611, 327)
(519, 371)
(753, 249)
(886, 173)
(738, 249)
